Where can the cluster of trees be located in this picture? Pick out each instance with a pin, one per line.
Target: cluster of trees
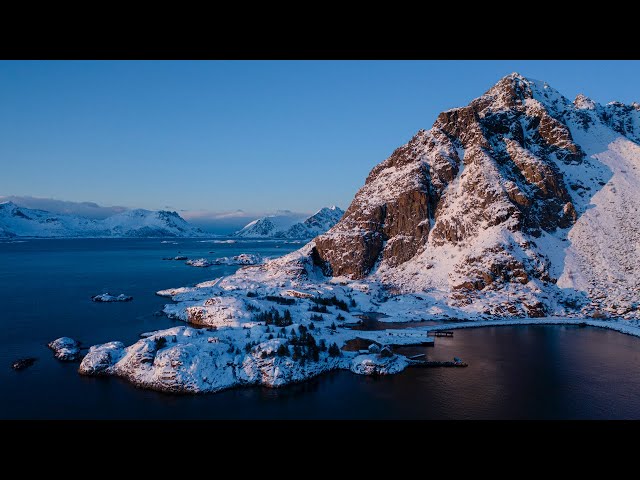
(281, 300)
(334, 350)
(273, 317)
(302, 346)
(329, 301)
(318, 308)
(252, 308)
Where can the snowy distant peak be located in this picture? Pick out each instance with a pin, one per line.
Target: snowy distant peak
(583, 102)
(318, 223)
(327, 212)
(26, 222)
(13, 208)
(292, 225)
(148, 223)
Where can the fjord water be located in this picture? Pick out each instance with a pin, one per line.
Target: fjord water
(514, 372)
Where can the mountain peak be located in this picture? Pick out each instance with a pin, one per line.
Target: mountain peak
(582, 102)
(515, 75)
(515, 89)
(510, 90)
(332, 208)
(292, 226)
(515, 79)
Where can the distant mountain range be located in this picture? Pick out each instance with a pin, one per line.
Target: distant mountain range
(285, 226)
(18, 221)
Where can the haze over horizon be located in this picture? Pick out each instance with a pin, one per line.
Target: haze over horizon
(220, 223)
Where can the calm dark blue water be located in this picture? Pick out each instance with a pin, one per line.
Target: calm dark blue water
(515, 372)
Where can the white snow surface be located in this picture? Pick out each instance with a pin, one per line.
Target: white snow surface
(65, 349)
(199, 262)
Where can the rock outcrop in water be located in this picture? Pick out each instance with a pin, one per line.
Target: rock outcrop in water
(23, 363)
(106, 297)
(65, 349)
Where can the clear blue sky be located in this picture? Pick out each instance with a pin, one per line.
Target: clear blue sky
(224, 135)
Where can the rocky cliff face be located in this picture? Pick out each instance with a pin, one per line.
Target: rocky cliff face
(478, 201)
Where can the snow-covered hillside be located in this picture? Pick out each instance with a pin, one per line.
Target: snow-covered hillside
(18, 221)
(292, 227)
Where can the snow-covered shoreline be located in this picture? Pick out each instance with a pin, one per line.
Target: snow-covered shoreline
(283, 322)
(265, 326)
(190, 360)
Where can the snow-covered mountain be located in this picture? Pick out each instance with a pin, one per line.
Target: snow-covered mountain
(18, 221)
(287, 226)
(522, 202)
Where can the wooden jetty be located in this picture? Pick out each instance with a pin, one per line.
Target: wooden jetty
(434, 363)
(441, 333)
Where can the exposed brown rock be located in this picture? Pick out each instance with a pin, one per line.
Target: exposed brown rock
(484, 165)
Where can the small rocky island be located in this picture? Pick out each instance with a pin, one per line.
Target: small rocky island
(65, 349)
(107, 297)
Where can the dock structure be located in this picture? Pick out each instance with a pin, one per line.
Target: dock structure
(435, 363)
(442, 333)
(414, 357)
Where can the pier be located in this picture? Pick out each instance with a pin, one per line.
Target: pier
(435, 363)
(441, 333)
